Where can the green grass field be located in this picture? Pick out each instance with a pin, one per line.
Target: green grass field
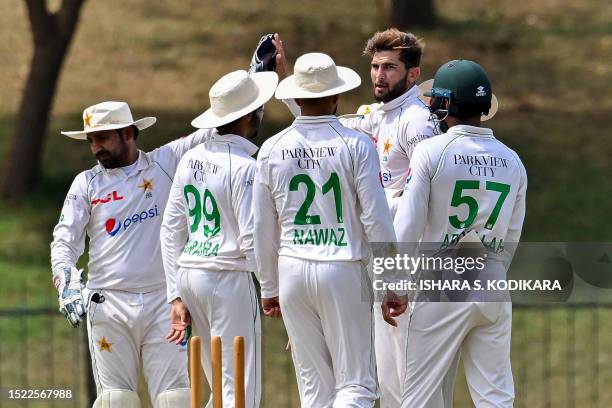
(550, 62)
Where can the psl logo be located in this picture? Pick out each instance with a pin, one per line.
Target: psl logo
(114, 196)
(481, 91)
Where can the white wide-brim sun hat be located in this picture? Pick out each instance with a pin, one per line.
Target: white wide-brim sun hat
(108, 116)
(315, 75)
(234, 95)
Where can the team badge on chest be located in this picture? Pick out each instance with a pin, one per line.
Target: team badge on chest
(147, 187)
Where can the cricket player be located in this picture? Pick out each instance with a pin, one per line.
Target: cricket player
(397, 123)
(318, 201)
(401, 120)
(207, 230)
(119, 205)
(463, 182)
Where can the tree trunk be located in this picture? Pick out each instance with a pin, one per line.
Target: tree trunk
(52, 34)
(405, 14)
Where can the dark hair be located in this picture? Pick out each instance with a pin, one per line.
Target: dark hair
(227, 128)
(135, 129)
(315, 101)
(465, 110)
(409, 46)
(230, 127)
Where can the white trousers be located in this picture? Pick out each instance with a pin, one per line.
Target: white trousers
(390, 357)
(327, 310)
(438, 331)
(128, 330)
(225, 304)
(391, 361)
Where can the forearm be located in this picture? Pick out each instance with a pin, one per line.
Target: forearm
(242, 203)
(62, 256)
(173, 235)
(172, 244)
(266, 241)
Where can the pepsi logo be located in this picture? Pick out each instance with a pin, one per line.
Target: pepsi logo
(112, 226)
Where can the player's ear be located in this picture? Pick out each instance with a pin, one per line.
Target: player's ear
(128, 133)
(252, 116)
(413, 74)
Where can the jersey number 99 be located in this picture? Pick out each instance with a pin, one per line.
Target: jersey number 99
(201, 206)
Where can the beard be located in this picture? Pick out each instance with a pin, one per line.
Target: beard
(256, 120)
(108, 160)
(117, 158)
(392, 92)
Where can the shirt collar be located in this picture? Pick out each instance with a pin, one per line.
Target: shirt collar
(308, 120)
(236, 140)
(471, 130)
(408, 96)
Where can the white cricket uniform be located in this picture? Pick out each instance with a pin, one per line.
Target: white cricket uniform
(396, 128)
(207, 246)
(464, 180)
(122, 214)
(318, 201)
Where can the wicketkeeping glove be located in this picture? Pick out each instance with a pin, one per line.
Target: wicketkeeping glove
(72, 294)
(264, 57)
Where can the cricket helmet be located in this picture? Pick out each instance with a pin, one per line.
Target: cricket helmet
(460, 88)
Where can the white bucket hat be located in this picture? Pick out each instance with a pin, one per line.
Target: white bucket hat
(315, 76)
(108, 116)
(235, 95)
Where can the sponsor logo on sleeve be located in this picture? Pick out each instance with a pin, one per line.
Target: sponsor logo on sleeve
(69, 199)
(408, 178)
